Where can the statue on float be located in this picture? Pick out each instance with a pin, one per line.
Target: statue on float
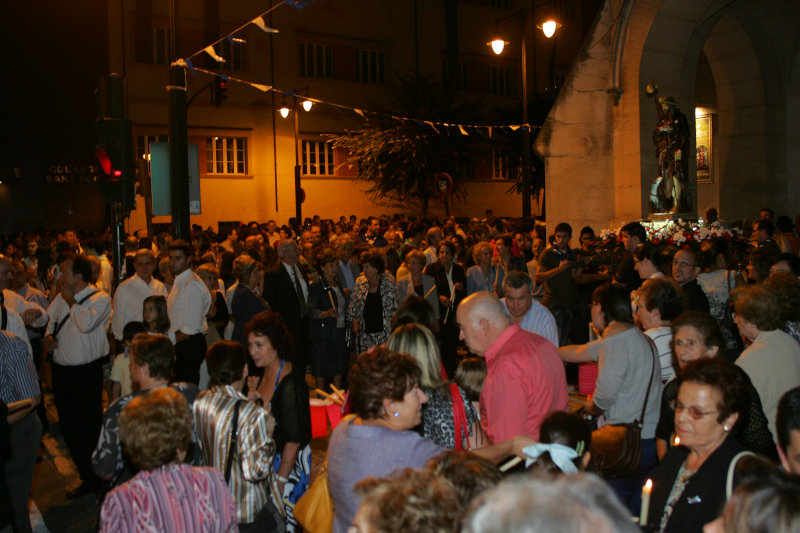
(670, 191)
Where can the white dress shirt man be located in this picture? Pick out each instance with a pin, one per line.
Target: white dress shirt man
(187, 305)
(132, 292)
(77, 322)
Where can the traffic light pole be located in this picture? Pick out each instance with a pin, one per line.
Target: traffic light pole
(178, 153)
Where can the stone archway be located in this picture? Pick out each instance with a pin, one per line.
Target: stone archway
(598, 136)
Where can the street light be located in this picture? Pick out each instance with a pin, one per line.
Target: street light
(284, 110)
(548, 27)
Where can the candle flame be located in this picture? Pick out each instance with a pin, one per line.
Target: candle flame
(677, 441)
(649, 484)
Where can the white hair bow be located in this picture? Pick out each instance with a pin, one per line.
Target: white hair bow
(561, 455)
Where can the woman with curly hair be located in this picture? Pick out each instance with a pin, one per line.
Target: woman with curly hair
(372, 303)
(167, 494)
(284, 388)
(386, 398)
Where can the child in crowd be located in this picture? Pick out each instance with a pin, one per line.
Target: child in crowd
(121, 384)
(154, 314)
(470, 375)
(563, 447)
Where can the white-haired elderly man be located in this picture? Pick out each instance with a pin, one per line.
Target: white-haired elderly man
(525, 378)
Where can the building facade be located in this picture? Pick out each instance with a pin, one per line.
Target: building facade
(345, 55)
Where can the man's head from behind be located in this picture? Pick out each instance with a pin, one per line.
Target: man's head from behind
(482, 318)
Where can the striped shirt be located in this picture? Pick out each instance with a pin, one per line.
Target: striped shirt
(18, 377)
(174, 497)
(662, 338)
(539, 320)
(252, 480)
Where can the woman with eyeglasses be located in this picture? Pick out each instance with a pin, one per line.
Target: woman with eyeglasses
(690, 482)
(697, 335)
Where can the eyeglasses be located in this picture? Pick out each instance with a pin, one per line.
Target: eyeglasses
(682, 264)
(693, 411)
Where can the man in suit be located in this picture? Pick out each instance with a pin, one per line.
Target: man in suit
(286, 291)
(451, 284)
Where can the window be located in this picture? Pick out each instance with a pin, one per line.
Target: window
(463, 75)
(503, 166)
(316, 60)
(161, 38)
(498, 80)
(232, 53)
(370, 66)
(143, 143)
(226, 155)
(317, 159)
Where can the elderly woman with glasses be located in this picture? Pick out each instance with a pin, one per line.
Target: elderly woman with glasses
(689, 484)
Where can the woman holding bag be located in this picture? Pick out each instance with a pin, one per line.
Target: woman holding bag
(235, 436)
(449, 412)
(627, 384)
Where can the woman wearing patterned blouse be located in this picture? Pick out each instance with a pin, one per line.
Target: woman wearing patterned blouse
(437, 414)
(167, 494)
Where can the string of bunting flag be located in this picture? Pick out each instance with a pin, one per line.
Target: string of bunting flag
(260, 22)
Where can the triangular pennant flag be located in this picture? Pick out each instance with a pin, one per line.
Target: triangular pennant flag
(462, 130)
(210, 51)
(260, 87)
(297, 4)
(514, 127)
(359, 112)
(259, 21)
(235, 40)
(191, 67)
(490, 132)
(432, 126)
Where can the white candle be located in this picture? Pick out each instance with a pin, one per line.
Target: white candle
(677, 441)
(646, 490)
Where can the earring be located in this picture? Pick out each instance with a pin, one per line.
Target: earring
(396, 414)
(725, 428)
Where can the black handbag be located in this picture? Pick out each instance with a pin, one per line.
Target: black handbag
(617, 448)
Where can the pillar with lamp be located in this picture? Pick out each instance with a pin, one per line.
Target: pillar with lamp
(298, 101)
(541, 14)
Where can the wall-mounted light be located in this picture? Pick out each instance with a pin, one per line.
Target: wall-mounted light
(307, 105)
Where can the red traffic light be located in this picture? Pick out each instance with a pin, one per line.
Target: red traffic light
(117, 173)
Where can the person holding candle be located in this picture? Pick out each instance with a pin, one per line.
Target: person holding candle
(689, 484)
(697, 335)
(326, 312)
(415, 283)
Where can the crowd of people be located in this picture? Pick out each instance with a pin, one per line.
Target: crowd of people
(182, 395)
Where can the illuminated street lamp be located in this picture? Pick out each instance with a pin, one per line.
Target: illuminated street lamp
(548, 27)
(284, 111)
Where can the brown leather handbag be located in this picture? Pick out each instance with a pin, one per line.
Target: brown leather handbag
(617, 448)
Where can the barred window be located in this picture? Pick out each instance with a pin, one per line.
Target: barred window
(317, 159)
(370, 65)
(499, 80)
(161, 38)
(226, 155)
(503, 164)
(316, 60)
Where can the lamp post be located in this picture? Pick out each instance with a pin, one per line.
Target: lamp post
(284, 111)
(548, 27)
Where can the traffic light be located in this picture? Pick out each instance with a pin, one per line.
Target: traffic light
(115, 154)
(219, 90)
(114, 149)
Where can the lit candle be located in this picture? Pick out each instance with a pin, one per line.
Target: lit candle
(677, 441)
(646, 490)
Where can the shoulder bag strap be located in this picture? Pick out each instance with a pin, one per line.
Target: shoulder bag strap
(731, 470)
(234, 441)
(459, 418)
(654, 358)
(60, 324)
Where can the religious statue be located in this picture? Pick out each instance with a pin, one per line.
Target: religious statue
(670, 192)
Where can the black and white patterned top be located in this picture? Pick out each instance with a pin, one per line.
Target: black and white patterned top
(437, 417)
